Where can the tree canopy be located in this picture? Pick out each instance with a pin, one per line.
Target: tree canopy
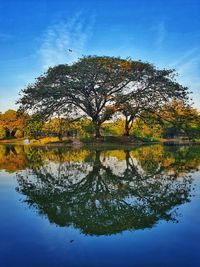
(100, 86)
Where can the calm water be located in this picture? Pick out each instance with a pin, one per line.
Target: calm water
(62, 207)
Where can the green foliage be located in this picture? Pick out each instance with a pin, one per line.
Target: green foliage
(19, 134)
(57, 126)
(87, 139)
(146, 102)
(34, 127)
(2, 133)
(91, 85)
(177, 121)
(88, 127)
(154, 180)
(181, 120)
(83, 128)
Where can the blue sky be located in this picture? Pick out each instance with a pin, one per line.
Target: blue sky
(35, 34)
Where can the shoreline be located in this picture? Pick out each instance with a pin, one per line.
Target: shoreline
(98, 143)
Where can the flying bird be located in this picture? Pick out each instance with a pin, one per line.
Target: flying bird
(70, 50)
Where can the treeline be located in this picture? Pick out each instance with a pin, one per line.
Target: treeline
(175, 121)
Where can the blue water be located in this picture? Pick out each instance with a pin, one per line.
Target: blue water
(32, 234)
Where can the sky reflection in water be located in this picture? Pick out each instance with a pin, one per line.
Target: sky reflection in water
(99, 207)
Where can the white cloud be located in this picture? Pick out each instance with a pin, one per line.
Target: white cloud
(72, 34)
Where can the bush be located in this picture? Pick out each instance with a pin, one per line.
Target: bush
(2, 133)
(88, 139)
(19, 134)
(34, 127)
(147, 139)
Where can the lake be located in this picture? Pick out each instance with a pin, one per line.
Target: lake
(85, 207)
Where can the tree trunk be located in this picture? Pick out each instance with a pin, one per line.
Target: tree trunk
(128, 125)
(127, 157)
(60, 136)
(97, 130)
(60, 129)
(97, 161)
(127, 129)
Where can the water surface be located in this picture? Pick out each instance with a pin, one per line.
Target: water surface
(133, 207)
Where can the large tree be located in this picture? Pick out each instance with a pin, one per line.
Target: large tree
(90, 85)
(150, 95)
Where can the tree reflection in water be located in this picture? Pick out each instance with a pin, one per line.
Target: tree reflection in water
(105, 192)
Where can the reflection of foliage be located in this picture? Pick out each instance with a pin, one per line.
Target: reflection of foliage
(12, 158)
(103, 192)
(103, 196)
(174, 160)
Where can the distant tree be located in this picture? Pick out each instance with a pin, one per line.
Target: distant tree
(34, 127)
(115, 127)
(147, 126)
(56, 126)
(83, 127)
(11, 121)
(90, 85)
(180, 119)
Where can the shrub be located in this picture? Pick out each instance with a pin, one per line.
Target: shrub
(19, 134)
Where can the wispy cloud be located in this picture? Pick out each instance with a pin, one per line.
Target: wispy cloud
(188, 56)
(160, 34)
(188, 66)
(65, 41)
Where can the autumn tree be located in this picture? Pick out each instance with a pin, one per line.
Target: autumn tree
(11, 121)
(179, 118)
(147, 126)
(90, 85)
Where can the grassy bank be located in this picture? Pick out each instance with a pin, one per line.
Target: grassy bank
(37, 142)
(106, 141)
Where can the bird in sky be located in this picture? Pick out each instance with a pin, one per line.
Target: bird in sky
(70, 50)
